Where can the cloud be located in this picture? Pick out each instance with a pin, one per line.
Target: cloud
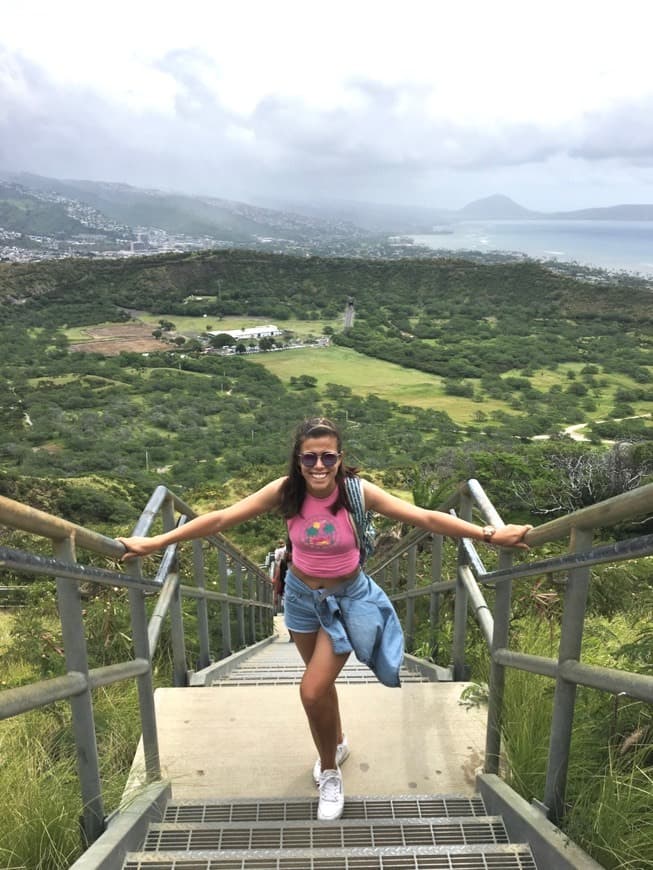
(388, 141)
(624, 131)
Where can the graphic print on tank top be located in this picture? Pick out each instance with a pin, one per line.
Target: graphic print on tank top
(320, 532)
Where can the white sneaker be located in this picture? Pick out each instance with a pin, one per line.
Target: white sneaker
(332, 796)
(342, 754)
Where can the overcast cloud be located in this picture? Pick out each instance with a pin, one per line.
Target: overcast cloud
(550, 103)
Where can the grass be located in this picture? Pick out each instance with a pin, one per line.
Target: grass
(6, 622)
(610, 812)
(39, 827)
(40, 802)
(196, 325)
(612, 817)
(367, 376)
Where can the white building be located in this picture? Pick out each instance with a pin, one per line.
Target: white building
(269, 331)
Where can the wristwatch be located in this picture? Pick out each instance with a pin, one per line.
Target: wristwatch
(488, 533)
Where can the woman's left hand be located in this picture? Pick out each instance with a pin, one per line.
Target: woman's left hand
(511, 536)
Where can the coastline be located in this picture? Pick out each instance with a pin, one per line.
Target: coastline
(591, 249)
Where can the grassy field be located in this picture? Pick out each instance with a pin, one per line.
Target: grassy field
(195, 325)
(366, 376)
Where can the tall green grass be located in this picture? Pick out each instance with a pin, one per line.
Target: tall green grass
(609, 810)
(40, 802)
(39, 797)
(609, 797)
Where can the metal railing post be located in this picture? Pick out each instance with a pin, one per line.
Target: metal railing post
(411, 579)
(180, 666)
(269, 614)
(224, 606)
(240, 608)
(500, 636)
(88, 765)
(460, 604)
(394, 576)
(202, 606)
(262, 614)
(179, 663)
(252, 608)
(141, 643)
(436, 577)
(564, 699)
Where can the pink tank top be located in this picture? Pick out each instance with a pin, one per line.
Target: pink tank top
(323, 543)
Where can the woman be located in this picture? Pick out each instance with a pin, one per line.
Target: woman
(331, 605)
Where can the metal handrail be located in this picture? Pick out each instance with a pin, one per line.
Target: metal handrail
(79, 681)
(567, 670)
(471, 575)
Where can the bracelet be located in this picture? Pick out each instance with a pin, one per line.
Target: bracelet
(488, 533)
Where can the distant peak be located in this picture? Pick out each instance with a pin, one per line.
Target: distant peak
(494, 199)
(495, 207)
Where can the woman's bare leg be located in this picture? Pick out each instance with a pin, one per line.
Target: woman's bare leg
(318, 692)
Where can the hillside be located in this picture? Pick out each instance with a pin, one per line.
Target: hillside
(96, 218)
(632, 212)
(509, 351)
(276, 286)
(177, 213)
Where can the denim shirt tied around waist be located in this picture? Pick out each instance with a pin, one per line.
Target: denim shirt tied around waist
(358, 616)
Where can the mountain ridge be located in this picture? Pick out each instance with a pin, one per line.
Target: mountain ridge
(33, 204)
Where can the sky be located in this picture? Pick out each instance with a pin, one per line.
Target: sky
(415, 103)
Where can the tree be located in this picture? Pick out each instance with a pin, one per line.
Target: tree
(222, 339)
(303, 382)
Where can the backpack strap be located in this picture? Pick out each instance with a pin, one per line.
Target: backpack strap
(362, 518)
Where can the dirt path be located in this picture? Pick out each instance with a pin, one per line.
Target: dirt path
(575, 430)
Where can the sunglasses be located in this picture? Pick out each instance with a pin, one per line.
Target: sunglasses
(329, 459)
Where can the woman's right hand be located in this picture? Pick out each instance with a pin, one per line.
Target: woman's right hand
(135, 547)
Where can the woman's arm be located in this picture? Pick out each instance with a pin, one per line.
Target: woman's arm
(382, 502)
(262, 501)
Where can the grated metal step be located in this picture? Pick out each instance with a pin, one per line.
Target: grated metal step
(281, 664)
(301, 809)
(348, 834)
(258, 676)
(420, 832)
(510, 857)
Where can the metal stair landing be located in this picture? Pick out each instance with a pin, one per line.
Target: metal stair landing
(231, 830)
(452, 832)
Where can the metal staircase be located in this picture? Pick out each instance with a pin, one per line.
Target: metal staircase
(380, 828)
(375, 833)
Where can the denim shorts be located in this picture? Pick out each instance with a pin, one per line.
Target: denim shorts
(357, 615)
(302, 605)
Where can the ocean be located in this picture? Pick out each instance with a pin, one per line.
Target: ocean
(612, 245)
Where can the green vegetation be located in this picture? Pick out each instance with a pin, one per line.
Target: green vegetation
(39, 824)
(450, 371)
(26, 214)
(195, 325)
(610, 813)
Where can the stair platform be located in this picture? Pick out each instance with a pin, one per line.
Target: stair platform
(253, 741)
